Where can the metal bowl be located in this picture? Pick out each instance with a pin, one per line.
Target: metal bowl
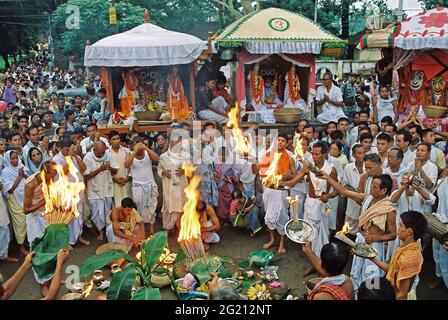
(362, 246)
(300, 231)
(71, 296)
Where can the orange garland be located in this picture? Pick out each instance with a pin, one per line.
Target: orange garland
(441, 99)
(256, 86)
(419, 99)
(294, 87)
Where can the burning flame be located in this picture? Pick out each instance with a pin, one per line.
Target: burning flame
(190, 227)
(241, 142)
(62, 194)
(299, 149)
(189, 169)
(87, 291)
(345, 229)
(273, 179)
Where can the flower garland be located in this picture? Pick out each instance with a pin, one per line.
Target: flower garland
(440, 102)
(256, 86)
(417, 97)
(294, 87)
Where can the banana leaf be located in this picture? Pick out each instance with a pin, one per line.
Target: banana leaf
(204, 266)
(121, 284)
(98, 261)
(153, 249)
(223, 272)
(147, 294)
(180, 258)
(56, 237)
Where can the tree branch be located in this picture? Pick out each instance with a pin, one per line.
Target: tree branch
(232, 10)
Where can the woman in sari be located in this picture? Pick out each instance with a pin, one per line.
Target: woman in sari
(244, 211)
(34, 160)
(226, 179)
(14, 174)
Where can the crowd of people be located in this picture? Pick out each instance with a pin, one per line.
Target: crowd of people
(376, 172)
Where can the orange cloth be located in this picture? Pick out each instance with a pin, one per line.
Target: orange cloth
(222, 93)
(176, 100)
(130, 85)
(377, 212)
(406, 263)
(333, 290)
(283, 165)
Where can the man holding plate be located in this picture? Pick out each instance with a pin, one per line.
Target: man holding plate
(377, 224)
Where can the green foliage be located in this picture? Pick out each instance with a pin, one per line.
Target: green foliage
(147, 294)
(430, 4)
(121, 284)
(153, 248)
(205, 266)
(93, 24)
(55, 238)
(98, 261)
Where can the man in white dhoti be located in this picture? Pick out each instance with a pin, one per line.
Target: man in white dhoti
(318, 195)
(67, 149)
(100, 188)
(329, 97)
(174, 182)
(121, 180)
(377, 224)
(403, 143)
(210, 108)
(274, 200)
(351, 176)
(144, 187)
(423, 166)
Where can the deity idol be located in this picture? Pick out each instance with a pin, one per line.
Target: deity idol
(292, 89)
(256, 88)
(176, 100)
(416, 97)
(129, 94)
(437, 91)
(271, 98)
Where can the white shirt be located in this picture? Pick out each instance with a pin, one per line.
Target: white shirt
(442, 209)
(141, 170)
(244, 171)
(352, 176)
(414, 203)
(408, 158)
(430, 170)
(87, 142)
(330, 112)
(100, 186)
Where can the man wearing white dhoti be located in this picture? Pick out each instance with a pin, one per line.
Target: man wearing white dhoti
(318, 195)
(352, 174)
(377, 224)
(121, 180)
(67, 149)
(274, 200)
(329, 97)
(100, 188)
(93, 135)
(144, 187)
(174, 182)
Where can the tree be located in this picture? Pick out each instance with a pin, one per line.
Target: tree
(21, 22)
(430, 4)
(93, 23)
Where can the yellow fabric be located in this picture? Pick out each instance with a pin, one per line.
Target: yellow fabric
(376, 214)
(128, 227)
(18, 219)
(406, 263)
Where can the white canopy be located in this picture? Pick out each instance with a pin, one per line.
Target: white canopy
(144, 46)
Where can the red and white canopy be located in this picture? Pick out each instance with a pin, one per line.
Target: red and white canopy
(427, 30)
